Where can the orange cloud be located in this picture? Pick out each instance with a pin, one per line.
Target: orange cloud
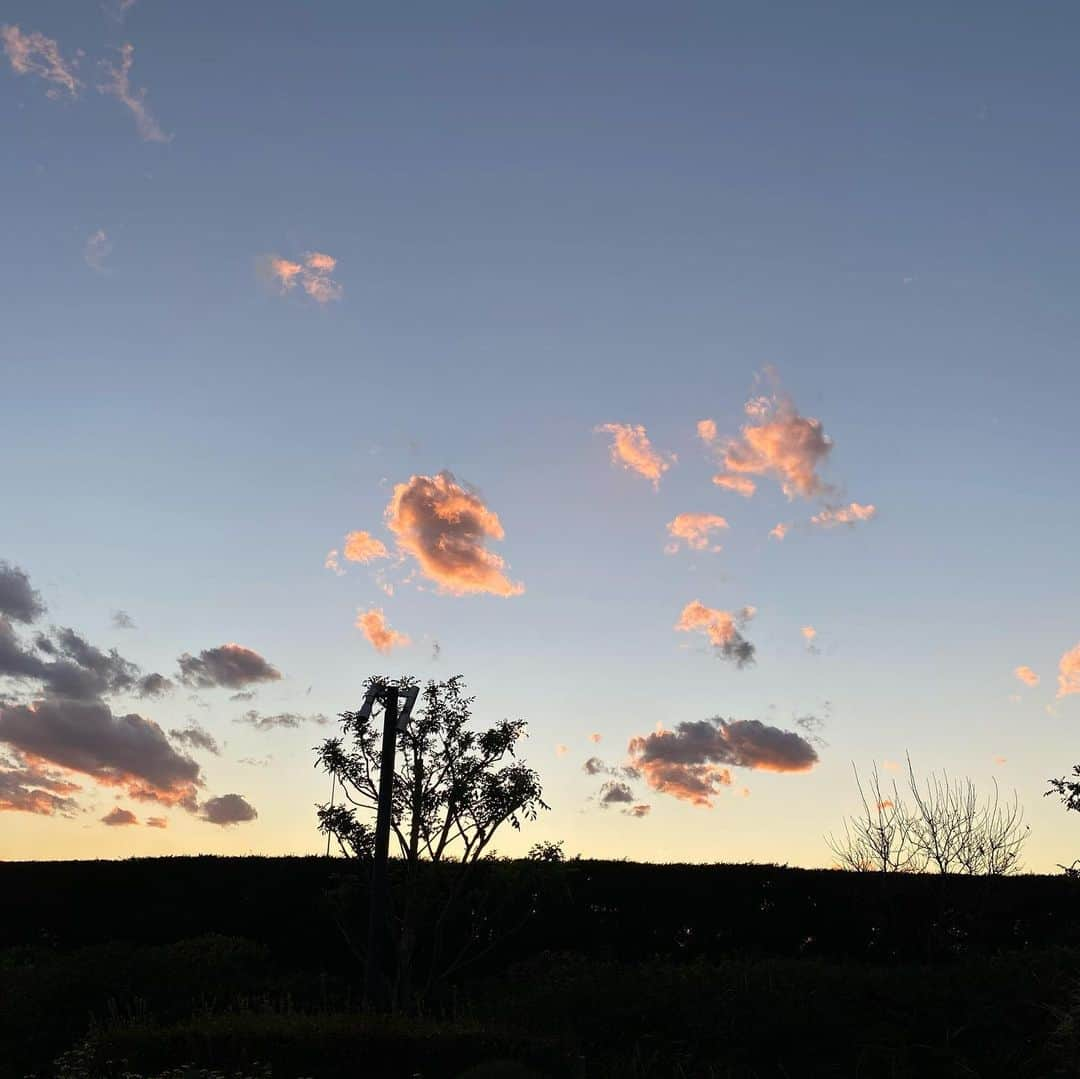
(782, 444)
(632, 449)
(706, 430)
(1001, 760)
(332, 563)
(595, 738)
(722, 629)
(779, 531)
(561, 750)
(119, 86)
(381, 637)
(1027, 676)
(36, 54)
(832, 516)
(119, 816)
(741, 485)
(313, 275)
(445, 526)
(693, 529)
(1069, 672)
(364, 547)
(157, 822)
(809, 633)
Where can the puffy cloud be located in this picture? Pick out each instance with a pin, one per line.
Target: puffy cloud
(380, 636)
(693, 762)
(615, 792)
(29, 787)
(226, 810)
(693, 529)
(119, 86)
(289, 720)
(722, 628)
(594, 766)
(36, 54)
(119, 816)
(157, 822)
(125, 751)
(364, 547)
(231, 666)
(445, 526)
(741, 485)
(96, 250)
(637, 811)
(122, 620)
(781, 443)
(832, 516)
(1027, 676)
(631, 448)
(596, 738)
(18, 600)
(779, 531)
(313, 275)
(195, 737)
(1069, 672)
(706, 430)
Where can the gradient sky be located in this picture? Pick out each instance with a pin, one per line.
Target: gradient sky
(548, 218)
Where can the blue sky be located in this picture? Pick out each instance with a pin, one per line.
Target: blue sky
(546, 219)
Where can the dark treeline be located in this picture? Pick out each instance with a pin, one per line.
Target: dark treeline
(578, 968)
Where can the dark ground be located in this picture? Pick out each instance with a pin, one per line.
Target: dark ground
(592, 969)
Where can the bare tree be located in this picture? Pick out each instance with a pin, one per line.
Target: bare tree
(940, 823)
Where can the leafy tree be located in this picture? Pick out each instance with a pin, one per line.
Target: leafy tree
(455, 786)
(1068, 790)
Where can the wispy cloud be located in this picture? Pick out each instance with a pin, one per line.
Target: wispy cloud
(693, 529)
(331, 562)
(722, 629)
(96, 250)
(313, 274)
(380, 636)
(1069, 672)
(631, 448)
(1027, 676)
(283, 720)
(445, 526)
(118, 85)
(832, 516)
(35, 54)
(741, 485)
(194, 736)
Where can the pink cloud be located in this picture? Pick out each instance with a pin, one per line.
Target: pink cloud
(595, 738)
(632, 449)
(119, 86)
(1069, 672)
(1027, 676)
(722, 628)
(380, 636)
(36, 54)
(832, 516)
(693, 529)
(706, 430)
(312, 274)
(364, 547)
(779, 531)
(741, 485)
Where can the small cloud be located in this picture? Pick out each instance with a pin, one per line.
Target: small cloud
(246, 695)
(596, 739)
(445, 526)
(637, 811)
(561, 750)
(694, 530)
(809, 635)
(331, 562)
(778, 532)
(119, 816)
(722, 629)
(832, 516)
(122, 620)
(96, 250)
(999, 761)
(119, 86)
(35, 54)
(1069, 672)
(195, 737)
(631, 448)
(157, 822)
(364, 547)
(288, 720)
(18, 600)
(380, 636)
(615, 792)
(706, 430)
(229, 666)
(312, 274)
(741, 485)
(1027, 676)
(891, 766)
(226, 810)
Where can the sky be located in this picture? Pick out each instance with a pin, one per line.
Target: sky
(452, 289)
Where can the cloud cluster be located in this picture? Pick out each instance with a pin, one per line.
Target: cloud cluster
(722, 628)
(693, 529)
(445, 527)
(313, 274)
(118, 85)
(1027, 676)
(229, 666)
(35, 54)
(777, 442)
(372, 623)
(693, 762)
(631, 448)
(831, 516)
(1069, 672)
(29, 787)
